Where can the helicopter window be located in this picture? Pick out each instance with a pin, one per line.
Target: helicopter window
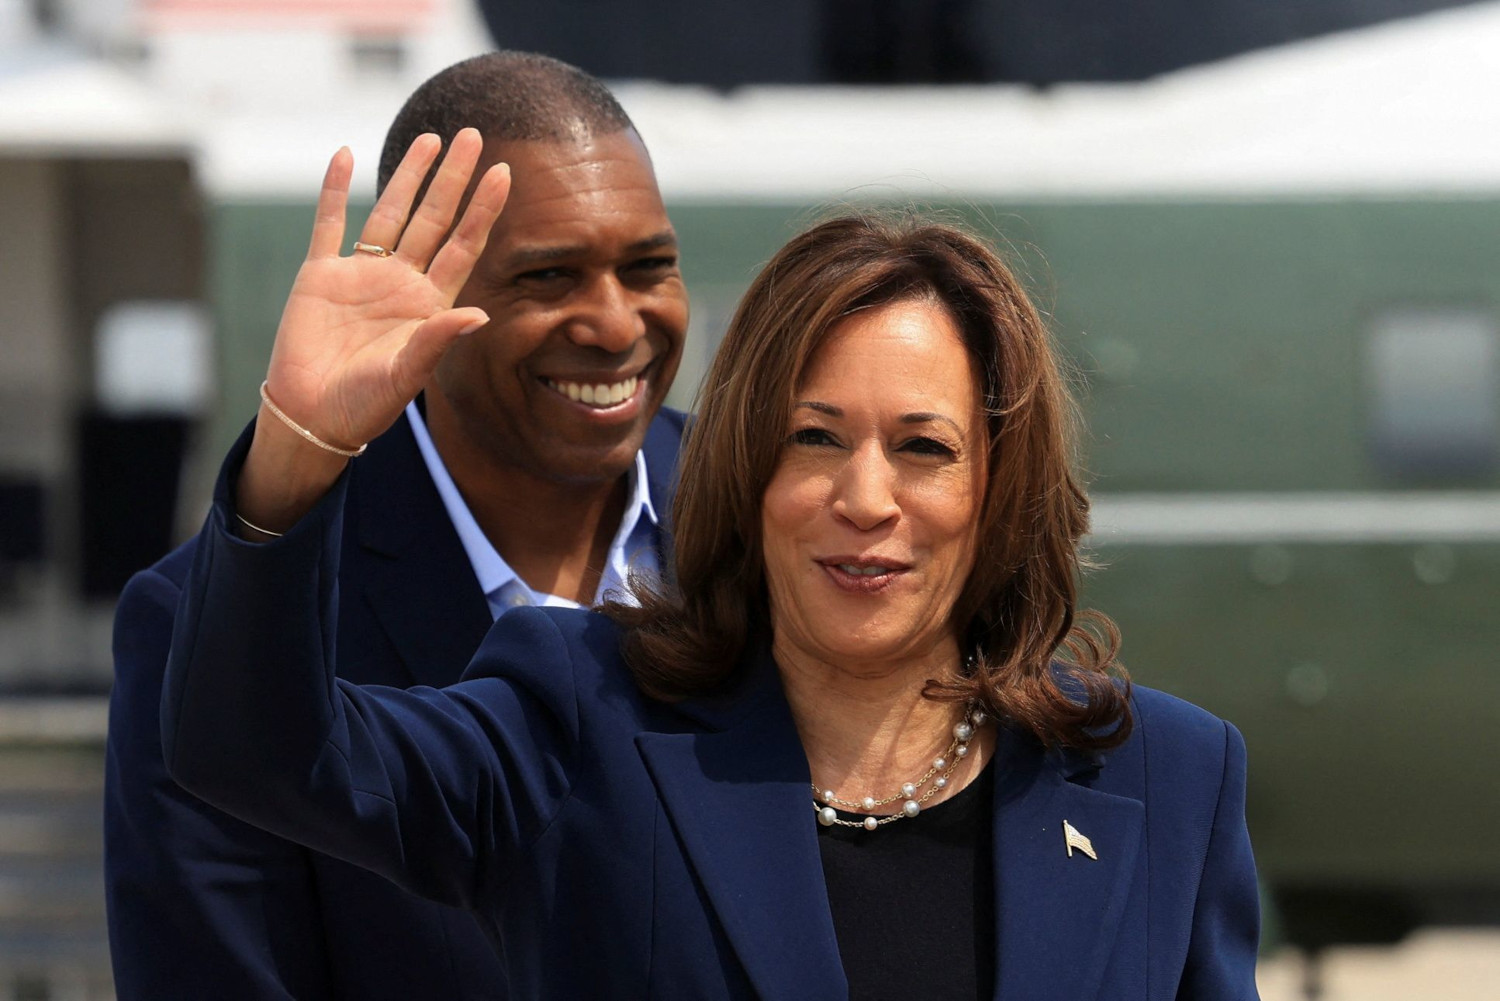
(1433, 377)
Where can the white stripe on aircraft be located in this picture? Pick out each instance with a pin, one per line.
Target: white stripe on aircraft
(1229, 518)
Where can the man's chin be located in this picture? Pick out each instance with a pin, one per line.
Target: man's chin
(588, 463)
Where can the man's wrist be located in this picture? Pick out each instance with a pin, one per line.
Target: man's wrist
(282, 479)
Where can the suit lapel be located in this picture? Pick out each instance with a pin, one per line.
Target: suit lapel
(739, 801)
(406, 560)
(661, 448)
(1056, 916)
(738, 797)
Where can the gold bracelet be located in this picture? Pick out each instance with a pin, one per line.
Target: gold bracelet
(348, 453)
(256, 528)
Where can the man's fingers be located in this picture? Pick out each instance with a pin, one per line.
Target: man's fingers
(453, 263)
(429, 342)
(328, 224)
(388, 217)
(434, 217)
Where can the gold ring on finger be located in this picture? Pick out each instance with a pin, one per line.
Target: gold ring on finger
(371, 248)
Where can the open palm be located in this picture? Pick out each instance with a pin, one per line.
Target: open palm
(361, 334)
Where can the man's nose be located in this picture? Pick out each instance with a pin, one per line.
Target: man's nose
(607, 316)
(865, 490)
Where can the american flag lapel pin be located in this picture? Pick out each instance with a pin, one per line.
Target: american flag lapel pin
(1076, 840)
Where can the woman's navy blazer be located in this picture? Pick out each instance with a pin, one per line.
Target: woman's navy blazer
(617, 847)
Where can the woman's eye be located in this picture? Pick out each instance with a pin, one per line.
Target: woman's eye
(928, 446)
(812, 436)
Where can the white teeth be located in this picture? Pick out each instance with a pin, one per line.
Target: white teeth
(597, 395)
(850, 568)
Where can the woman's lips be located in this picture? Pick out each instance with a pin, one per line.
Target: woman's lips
(862, 575)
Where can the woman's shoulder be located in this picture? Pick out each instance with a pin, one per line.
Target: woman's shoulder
(1167, 717)
(1179, 743)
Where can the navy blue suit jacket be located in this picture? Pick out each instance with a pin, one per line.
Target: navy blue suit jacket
(616, 847)
(203, 905)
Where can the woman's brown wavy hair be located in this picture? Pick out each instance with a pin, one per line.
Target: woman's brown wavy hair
(1036, 660)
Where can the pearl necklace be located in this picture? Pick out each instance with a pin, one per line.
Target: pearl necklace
(939, 772)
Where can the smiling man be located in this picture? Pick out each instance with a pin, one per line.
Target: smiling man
(542, 414)
(534, 469)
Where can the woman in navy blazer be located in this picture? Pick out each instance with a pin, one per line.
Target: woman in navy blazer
(861, 748)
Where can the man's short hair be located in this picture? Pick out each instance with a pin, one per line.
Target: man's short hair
(507, 96)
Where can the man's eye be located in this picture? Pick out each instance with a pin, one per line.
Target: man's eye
(649, 270)
(543, 275)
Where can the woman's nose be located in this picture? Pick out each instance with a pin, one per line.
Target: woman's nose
(865, 493)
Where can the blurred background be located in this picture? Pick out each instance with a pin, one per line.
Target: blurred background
(1267, 233)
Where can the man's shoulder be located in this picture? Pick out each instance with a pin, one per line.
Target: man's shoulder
(665, 433)
(673, 419)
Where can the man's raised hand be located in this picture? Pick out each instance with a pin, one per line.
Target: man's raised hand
(360, 335)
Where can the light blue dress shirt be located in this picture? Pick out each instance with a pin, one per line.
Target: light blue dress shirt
(632, 550)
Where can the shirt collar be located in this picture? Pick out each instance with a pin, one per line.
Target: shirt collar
(490, 568)
(639, 502)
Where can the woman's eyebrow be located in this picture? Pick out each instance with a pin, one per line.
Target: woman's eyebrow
(929, 417)
(919, 417)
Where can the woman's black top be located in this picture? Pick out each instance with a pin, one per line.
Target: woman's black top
(914, 901)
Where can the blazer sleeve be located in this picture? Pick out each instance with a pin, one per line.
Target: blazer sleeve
(1226, 916)
(437, 790)
(199, 904)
